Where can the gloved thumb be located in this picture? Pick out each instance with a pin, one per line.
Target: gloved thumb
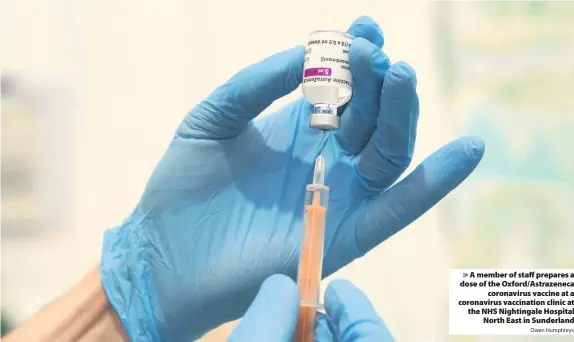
(272, 316)
(228, 110)
(353, 317)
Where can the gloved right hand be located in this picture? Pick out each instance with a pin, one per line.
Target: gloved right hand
(272, 317)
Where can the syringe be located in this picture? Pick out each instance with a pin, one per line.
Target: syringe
(311, 257)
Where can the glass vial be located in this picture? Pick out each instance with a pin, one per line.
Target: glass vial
(327, 80)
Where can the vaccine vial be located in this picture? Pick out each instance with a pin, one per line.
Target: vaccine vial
(327, 80)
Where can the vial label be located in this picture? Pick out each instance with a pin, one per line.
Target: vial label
(326, 68)
(317, 72)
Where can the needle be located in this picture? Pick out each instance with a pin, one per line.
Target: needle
(323, 141)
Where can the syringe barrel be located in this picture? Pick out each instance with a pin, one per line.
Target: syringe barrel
(311, 260)
(311, 256)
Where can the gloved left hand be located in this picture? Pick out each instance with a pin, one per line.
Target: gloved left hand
(272, 317)
(223, 209)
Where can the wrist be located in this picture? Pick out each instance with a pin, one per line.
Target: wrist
(82, 314)
(124, 275)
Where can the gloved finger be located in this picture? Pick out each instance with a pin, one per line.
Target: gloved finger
(323, 330)
(389, 212)
(390, 149)
(230, 107)
(365, 27)
(273, 314)
(352, 315)
(368, 65)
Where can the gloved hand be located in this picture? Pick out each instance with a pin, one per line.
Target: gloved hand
(272, 317)
(223, 209)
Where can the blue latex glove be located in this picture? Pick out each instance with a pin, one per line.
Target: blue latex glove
(223, 209)
(272, 316)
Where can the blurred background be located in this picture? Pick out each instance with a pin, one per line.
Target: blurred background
(92, 92)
